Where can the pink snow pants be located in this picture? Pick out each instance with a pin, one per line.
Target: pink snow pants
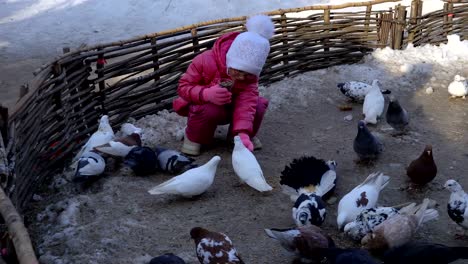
(203, 119)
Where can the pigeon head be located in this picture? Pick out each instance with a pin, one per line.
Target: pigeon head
(197, 233)
(237, 140)
(128, 129)
(458, 78)
(373, 241)
(309, 210)
(340, 221)
(375, 83)
(332, 164)
(453, 186)
(351, 229)
(362, 126)
(428, 151)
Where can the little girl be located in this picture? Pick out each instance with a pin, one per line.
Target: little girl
(220, 87)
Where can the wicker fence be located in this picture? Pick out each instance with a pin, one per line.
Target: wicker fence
(138, 77)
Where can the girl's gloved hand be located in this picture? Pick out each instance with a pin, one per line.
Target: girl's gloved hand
(246, 140)
(217, 95)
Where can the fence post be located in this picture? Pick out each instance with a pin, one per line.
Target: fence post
(284, 35)
(102, 85)
(413, 21)
(326, 22)
(154, 50)
(367, 22)
(448, 18)
(196, 48)
(399, 29)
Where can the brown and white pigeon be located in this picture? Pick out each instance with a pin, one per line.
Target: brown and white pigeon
(214, 247)
(121, 146)
(362, 197)
(308, 242)
(423, 169)
(400, 228)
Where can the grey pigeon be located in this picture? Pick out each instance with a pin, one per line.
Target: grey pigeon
(173, 161)
(397, 117)
(168, 258)
(366, 145)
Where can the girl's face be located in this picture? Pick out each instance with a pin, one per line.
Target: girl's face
(238, 75)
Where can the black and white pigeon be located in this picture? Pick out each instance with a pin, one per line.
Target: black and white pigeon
(90, 165)
(357, 91)
(367, 220)
(397, 117)
(424, 252)
(399, 229)
(366, 145)
(173, 161)
(142, 160)
(348, 256)
(214, 247)
(363, 196)
(307, 242)
(308, 181)
(167, 258)
(457, 206)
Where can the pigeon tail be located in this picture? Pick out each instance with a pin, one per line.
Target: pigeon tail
(162, 188)
(284, 236)
(421, 213)
(378, 179)
(429, 214)
(326, 183)
(259, 184)
(385, 91)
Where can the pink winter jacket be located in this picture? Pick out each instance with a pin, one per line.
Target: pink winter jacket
(205, 71)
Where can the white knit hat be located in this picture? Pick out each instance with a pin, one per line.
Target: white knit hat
(250, 49)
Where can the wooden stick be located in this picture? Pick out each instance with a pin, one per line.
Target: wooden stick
(17, 230)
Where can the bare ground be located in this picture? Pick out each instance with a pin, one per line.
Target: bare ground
(115, 220)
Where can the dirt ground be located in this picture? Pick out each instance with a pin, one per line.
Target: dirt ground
(115, 220)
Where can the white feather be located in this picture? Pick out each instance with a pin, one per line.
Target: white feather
(115, 148)
(103, 135)
(190, 183)
(327, 182)
(247, 168)
(348, 208)
(374, 103)
(127, 129)
(262, 25)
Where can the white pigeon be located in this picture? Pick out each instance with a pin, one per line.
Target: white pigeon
(127, 129)
(374, 103)
(103, 135)
(247, 168)
(192, 182)
(362, 197)
(356, 91)
(90, 164)
(459, 87)
(457, 207)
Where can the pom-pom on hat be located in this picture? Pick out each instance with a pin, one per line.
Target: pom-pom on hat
(250, 49)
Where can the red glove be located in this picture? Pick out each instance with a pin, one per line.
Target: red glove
(246, 140)
(216, 95)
